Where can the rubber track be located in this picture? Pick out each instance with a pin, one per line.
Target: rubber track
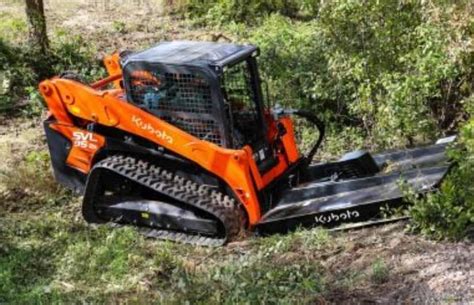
(202, 197)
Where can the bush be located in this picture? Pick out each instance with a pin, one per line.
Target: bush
(294, 64)
(449, 213)
(23, 69)
(221, 12)
(16, 74)
(73, 53)
(385, 69)
(383, 74)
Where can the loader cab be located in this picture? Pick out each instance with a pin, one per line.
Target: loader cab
(210, 90)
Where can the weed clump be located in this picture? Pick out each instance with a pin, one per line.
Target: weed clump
(380, 272)
(31, 183)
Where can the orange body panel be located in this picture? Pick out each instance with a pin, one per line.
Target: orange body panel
(288, 140)
(288, 156)
(235, 167)
(84, 146)
(112, 64)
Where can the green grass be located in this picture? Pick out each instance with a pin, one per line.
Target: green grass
(380, 271)
(55, 257)
(50, 255)
(12, 28)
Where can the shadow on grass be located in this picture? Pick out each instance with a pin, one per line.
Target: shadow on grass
(25, 272)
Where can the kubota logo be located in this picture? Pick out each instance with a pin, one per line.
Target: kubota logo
(148, 127)
(84, 140)
(335, 217)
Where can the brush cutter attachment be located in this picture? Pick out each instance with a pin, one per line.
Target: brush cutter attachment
(357, 188)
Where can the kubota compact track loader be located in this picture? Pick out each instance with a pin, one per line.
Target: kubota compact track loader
(184, 147)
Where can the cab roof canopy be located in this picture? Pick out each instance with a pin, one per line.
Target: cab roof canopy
(193, 53)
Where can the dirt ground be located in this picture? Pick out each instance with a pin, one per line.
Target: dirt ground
(420, 271)
(114, 25)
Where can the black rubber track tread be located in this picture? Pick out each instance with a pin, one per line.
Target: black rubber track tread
(220, 205)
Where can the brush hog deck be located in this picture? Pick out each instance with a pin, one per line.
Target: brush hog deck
(331, 203)
(181, 142)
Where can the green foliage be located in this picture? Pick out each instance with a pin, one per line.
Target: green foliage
(221, 12)
(73, 53)
(291, 58)
(23, 68)
(380, 272)
(119, 26)
(379, 62)
(449, 213)
(381, 68)
(15, 72)
(382, 74)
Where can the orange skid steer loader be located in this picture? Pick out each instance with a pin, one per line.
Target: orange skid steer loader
(178, 142)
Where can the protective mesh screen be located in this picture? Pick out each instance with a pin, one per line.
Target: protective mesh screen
(181, 99)
(239, 94)
(203, 129)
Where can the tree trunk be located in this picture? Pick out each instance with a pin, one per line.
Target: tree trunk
(37, 25)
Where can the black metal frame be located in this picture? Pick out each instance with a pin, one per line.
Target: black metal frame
(251, 65)
(213, 73)
(206, 72)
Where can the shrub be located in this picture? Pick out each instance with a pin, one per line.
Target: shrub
(221, 12)
(16, 74)
(389, 71)
(449, 213)
(24, 68)
(383, 74)
(293, 61)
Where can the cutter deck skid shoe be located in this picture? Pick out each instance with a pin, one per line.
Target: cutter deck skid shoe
(179, 142)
